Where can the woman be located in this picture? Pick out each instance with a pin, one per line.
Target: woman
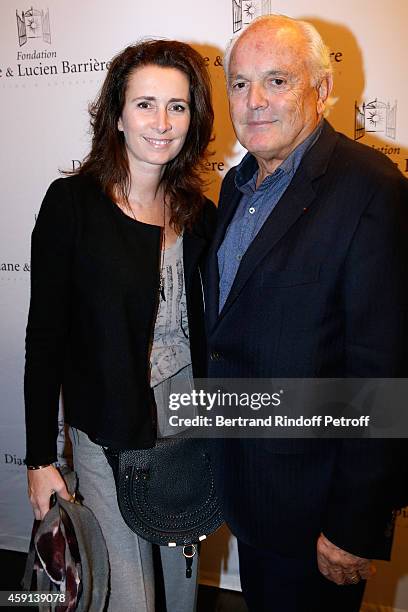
(116, 297)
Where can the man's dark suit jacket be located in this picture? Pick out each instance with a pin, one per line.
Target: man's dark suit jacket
(321, 292)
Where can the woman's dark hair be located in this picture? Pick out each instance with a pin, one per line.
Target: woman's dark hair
(107, 161)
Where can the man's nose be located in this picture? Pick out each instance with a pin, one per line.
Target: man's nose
(256, 96)
(162, 122)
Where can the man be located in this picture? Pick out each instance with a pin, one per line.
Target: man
(307, 278)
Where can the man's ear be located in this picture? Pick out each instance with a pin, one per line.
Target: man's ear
(120, 124)
(323, 91)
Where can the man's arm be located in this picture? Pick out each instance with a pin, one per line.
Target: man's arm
(368, 481)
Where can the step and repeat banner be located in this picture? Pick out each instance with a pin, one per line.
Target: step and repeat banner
(53, 58)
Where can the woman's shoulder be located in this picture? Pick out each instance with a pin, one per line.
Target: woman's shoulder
(71, 192)
(75, 183)
(64, 199)
(69, 188)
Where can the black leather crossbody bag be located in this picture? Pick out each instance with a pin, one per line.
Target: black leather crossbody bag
(166, 494)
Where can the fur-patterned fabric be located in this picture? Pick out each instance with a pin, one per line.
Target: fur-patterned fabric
(68, 555)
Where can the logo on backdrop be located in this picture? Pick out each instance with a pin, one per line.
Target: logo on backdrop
(375, 116)
(14, 270)
(244, 11)
(33, 23)
(13, 459)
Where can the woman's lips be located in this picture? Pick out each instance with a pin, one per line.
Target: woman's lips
(159, 143)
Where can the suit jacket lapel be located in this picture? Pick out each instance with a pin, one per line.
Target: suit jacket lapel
(298, 196)
(290, 207)
(229, 199)
(193, 245)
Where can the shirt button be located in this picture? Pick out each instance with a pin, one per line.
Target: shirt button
(239, 257)
(251, 210)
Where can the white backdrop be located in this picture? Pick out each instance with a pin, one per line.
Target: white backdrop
(52, 59)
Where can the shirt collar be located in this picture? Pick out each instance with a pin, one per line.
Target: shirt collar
(247, 170)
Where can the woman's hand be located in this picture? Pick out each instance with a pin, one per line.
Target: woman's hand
(42, 484)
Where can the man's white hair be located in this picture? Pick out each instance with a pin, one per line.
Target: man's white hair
(318, 53)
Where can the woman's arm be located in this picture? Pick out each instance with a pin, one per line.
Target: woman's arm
(47, 330)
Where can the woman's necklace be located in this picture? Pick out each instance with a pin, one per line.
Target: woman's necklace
(163, 248)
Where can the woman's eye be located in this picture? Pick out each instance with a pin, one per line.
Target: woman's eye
(144, 104)
(179, 108)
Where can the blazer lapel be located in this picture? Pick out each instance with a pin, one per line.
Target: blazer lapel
(298, 197)
(193, 246)
(288, 210)
(227, 206)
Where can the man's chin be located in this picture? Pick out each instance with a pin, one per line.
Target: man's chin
(259, 143)
(264, 150)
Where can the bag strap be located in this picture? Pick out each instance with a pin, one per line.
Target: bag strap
(29, 574)
(70, 479)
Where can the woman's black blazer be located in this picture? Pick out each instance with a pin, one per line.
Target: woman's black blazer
(94, 295)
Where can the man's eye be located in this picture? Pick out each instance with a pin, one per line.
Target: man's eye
(277, 82)
(239, 85)
(144, 104)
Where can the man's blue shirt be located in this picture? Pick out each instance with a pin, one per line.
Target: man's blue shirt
(254, 208)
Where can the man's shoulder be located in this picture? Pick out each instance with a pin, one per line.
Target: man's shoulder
(364, 161)
(228, 181)
(228, 187)
(205, 223)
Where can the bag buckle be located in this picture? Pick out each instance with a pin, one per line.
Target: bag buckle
(189, 552)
